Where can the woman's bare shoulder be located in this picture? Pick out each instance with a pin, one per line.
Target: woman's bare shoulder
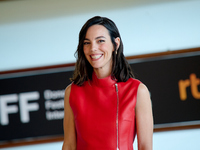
(67, 91)
(68, 88)
(143, 88)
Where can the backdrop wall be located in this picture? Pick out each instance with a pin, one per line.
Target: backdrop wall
(144, 29)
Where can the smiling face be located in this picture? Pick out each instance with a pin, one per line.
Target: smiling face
(98, 48)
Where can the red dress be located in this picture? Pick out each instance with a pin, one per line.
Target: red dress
(104, 113)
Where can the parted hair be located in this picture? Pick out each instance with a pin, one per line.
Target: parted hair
(121, 70)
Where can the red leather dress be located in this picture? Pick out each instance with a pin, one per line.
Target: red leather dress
(104, 113)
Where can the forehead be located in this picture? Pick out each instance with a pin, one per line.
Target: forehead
(97, 30)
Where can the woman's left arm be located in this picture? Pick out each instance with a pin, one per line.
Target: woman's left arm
(144, 119)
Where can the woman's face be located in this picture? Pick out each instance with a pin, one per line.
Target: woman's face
(98, 48)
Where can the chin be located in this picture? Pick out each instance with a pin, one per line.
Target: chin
(95, 66)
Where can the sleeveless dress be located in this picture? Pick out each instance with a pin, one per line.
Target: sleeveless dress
(104, 113)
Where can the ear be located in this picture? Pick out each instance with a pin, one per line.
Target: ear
(117, 41)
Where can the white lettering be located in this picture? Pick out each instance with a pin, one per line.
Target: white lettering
(54, 104)
(26, 107)
(7, 109)
(54, 115)
(48, 94)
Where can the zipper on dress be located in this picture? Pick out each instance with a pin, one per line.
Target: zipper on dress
(117, 123)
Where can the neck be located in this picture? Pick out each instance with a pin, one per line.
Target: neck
(102, 73)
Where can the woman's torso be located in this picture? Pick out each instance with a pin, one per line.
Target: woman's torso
(104, 113)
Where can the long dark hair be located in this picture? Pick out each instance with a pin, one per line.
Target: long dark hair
(121, 70)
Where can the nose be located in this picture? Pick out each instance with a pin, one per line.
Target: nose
(93, 47)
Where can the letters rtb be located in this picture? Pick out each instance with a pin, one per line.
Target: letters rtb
(193, 82)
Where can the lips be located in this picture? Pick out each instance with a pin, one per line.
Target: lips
(96, 56)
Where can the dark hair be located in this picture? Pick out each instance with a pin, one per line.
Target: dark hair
(121, 70)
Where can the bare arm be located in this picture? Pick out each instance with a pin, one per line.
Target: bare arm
(144, 119)
(68, 123)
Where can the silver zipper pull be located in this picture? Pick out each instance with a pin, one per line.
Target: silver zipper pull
(116, 87)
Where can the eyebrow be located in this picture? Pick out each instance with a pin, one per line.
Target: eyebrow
(97, 37)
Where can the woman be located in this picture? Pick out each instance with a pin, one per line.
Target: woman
(105, 106)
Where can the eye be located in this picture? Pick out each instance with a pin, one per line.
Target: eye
(86, 43)
(101, 41)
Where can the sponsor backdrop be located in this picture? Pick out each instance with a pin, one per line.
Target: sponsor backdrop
(32, 103)
(174, 85)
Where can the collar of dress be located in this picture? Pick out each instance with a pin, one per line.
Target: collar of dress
(103, 82)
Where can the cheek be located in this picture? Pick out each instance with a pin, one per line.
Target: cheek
(86, 53)
(107, 48)
(85, 50)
